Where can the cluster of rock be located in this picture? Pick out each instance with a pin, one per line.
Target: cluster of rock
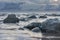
(34, 16)
(35, 26)
(32, 25)
(50, 25)
(28, 18)
(11, 19)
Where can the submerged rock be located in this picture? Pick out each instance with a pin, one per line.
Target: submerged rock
(23, 19)
(21, 29)
(51, 24)
(33, 17)
(43, 16)
(2, 14)
(11, 19)
(53, 14)
(37, 29)
(32, 25)
(7, 28)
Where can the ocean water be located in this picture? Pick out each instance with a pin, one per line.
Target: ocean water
(22, 34)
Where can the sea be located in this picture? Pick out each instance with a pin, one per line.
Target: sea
(24, 34)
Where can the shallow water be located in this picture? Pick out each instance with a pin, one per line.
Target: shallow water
(21, 34)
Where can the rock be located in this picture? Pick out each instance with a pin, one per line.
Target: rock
(43, 30)
(43, 16)
(45, 38)
(32, 25)
(51, 24)
(21, 29)
(7, 28)
(2, 14)
(51, 31)
(11, 19)
(18, 15)
(33, 17)
(23, 19)
(37, 29)
(53, 14)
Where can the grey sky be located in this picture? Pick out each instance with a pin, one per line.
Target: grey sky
(33, 1)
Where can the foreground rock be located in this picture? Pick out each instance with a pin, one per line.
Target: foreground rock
(11, 19)
(37, 29)
(32, 25)
(51, 25)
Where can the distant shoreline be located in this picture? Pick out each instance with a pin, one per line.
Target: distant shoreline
(33, 12)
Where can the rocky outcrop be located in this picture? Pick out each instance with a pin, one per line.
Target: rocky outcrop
(11, 19)
(51, 25)
(32, 25)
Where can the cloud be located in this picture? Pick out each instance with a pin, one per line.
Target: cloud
(11, 0)
(30, 1)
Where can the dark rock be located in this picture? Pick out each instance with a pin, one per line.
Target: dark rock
(37, 29)
(51, 25)
(43, 16)
(43, 30)
(45, 39)
(11, 29)
(53, 14)
(7, 28)
(21, 29)
(50, 38)
(2, 14)
(32, 25)
(33, 17)
(51, 31)
(23, 19)
(18, 15)
(11, 19)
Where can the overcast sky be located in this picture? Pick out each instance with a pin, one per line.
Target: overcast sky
(32, 1)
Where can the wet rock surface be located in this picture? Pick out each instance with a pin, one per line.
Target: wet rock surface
(37, 29)
(50, 38)
(21, 29)
(43, 16)
(51, 25)
(32, 17)
(11, 19)
(2, 14)
(32, 25)
(48, 27)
